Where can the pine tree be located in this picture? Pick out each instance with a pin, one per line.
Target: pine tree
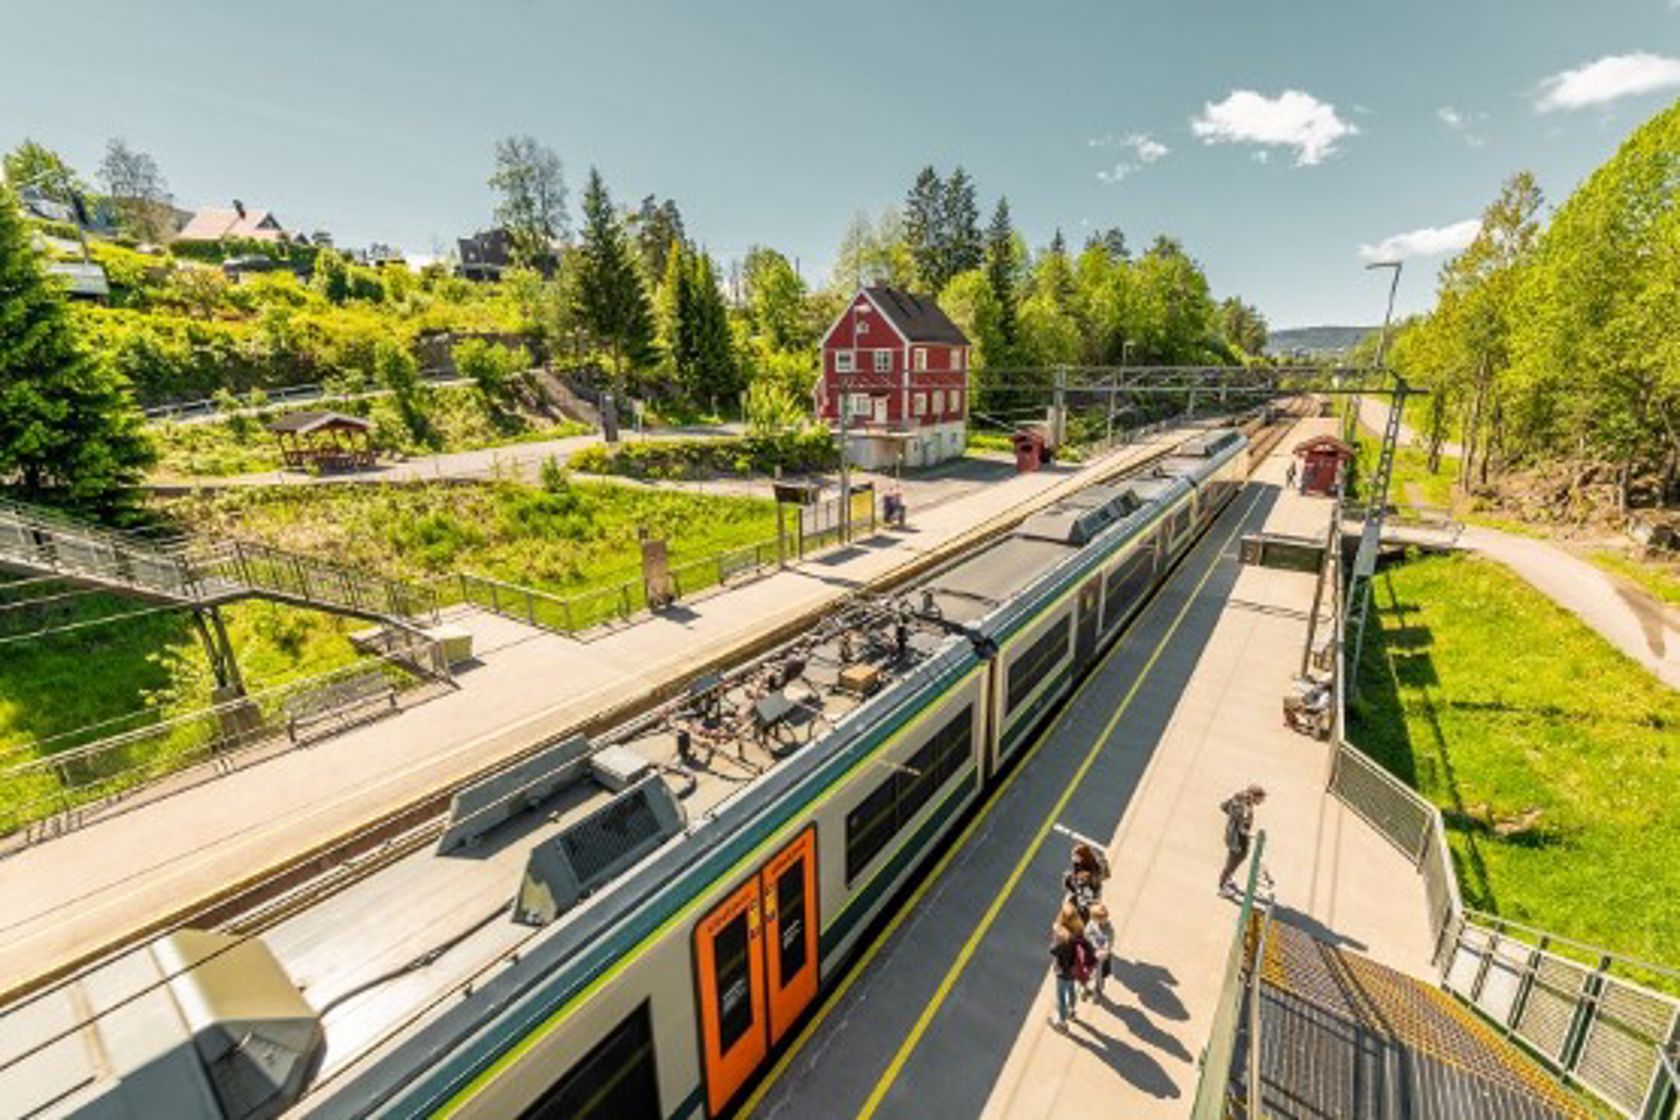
(69, 430)
(1000, 269)
(611, 300)
(924, 229)
(960, 226)
(716, 373)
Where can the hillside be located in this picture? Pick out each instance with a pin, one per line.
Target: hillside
(1315, 340)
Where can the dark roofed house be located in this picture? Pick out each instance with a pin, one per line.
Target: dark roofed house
(900, 367)
(324, 441)
(484, 256)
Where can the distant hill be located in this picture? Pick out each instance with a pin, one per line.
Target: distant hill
(1316, 340)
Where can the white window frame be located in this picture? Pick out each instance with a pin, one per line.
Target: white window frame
(918, 404)
(880, 410)
(957, 358)
(939, 403)
(919, 357)
(858, 405)
(863, 326)
(845, 361)
(883, 361)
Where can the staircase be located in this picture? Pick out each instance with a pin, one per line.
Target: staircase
(194, 572)
(1344, 1037)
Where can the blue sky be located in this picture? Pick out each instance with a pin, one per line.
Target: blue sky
(1274, 138)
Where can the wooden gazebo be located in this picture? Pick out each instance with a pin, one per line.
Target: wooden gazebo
(327, 441)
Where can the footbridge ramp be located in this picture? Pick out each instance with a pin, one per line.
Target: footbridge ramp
(198, 572)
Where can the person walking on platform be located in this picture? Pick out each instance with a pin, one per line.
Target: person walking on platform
(1099, 932)
(1239, 833)
(1289, 475)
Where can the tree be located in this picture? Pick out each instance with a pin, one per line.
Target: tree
(1112, 241)
(69, 429)
(1003, 268)
(331, 276)
(658, 226)
(960, 242)
(714, 375)
(1242, 325)
(611, 300)
(531, 203)
(924, 228)
(138, 192)
(775, 298)
(36, 165)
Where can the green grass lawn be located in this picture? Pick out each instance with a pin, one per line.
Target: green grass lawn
(1660, 578)
(1413, 482)
(1555, 759)
(577, 538)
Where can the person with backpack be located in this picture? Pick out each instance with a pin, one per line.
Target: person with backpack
(1239, 833)
(1084, 879)
(1099, 934)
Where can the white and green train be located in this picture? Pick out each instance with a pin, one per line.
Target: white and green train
(628, 927)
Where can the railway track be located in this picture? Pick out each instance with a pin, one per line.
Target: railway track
(258, 903)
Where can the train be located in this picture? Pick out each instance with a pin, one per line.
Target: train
(671, 899)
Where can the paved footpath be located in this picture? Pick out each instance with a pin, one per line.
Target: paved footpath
(948, 1017)
(1624, 614)
(79, 892)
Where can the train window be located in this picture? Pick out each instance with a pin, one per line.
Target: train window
(1030, 669)
(892, 804)
(869, 827)
(1180, 522)
(1126, 583)
(790, 905)
(734, 994)
(618, 1079)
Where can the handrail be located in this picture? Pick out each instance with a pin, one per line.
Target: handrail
(1256, 973)
(1214, 1085)
(1500, 925)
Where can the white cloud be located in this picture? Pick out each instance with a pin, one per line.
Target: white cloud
(1292, 119)
(1145, 146)
(1430, 241)
(1465, 124)
(1607, 79)
(1145, 150)
(1106, 140)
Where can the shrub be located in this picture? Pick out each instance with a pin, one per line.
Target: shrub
(811, 449)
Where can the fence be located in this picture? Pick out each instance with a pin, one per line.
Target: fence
(49, 795)
(1237, 990)
(239, 564)
(569, 614)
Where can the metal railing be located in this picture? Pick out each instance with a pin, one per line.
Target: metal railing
(1215, 1087)
(227, 568)
(1606, 1033)
(570, 614)
(54, 793)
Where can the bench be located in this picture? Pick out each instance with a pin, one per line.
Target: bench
(337, 702)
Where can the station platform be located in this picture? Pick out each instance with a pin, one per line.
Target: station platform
(124, 874)
(948, 1012)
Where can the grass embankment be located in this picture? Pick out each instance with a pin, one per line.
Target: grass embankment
(453, 417)
(1661, 578)
(1555, 759)
(569, 538)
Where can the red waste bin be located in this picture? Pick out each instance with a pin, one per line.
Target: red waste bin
(1029, 450)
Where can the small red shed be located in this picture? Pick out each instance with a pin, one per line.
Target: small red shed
(1322, 463)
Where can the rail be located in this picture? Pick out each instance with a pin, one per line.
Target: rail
(1214, 1088)
(1591, 1027)
(55, 793)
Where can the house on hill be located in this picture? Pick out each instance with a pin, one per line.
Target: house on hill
(485, 255)
(899, 367)
(219, 223)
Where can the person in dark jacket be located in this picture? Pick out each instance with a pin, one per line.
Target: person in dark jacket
(1084, 879)
(1239, 833)
(1067, 944)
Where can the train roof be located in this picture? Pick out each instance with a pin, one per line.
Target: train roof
(537, 861)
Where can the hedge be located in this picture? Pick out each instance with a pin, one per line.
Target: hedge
(810, 450)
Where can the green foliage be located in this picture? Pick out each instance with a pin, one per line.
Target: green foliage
(797, 451)
(611, 301)
(530, 198)
(69, 430)
(491, 366)
(35, 165)
(331, 276)
(1492, 701)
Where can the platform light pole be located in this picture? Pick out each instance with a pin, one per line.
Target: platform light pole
(1382, 339)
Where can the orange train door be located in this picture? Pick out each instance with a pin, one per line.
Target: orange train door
(790, 926)
(730, 973)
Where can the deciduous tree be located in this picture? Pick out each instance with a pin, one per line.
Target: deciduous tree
(531, 198)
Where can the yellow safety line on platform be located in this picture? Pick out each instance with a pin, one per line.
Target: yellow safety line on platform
(757, 1096)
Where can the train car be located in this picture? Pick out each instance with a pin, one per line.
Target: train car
(629, 927)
